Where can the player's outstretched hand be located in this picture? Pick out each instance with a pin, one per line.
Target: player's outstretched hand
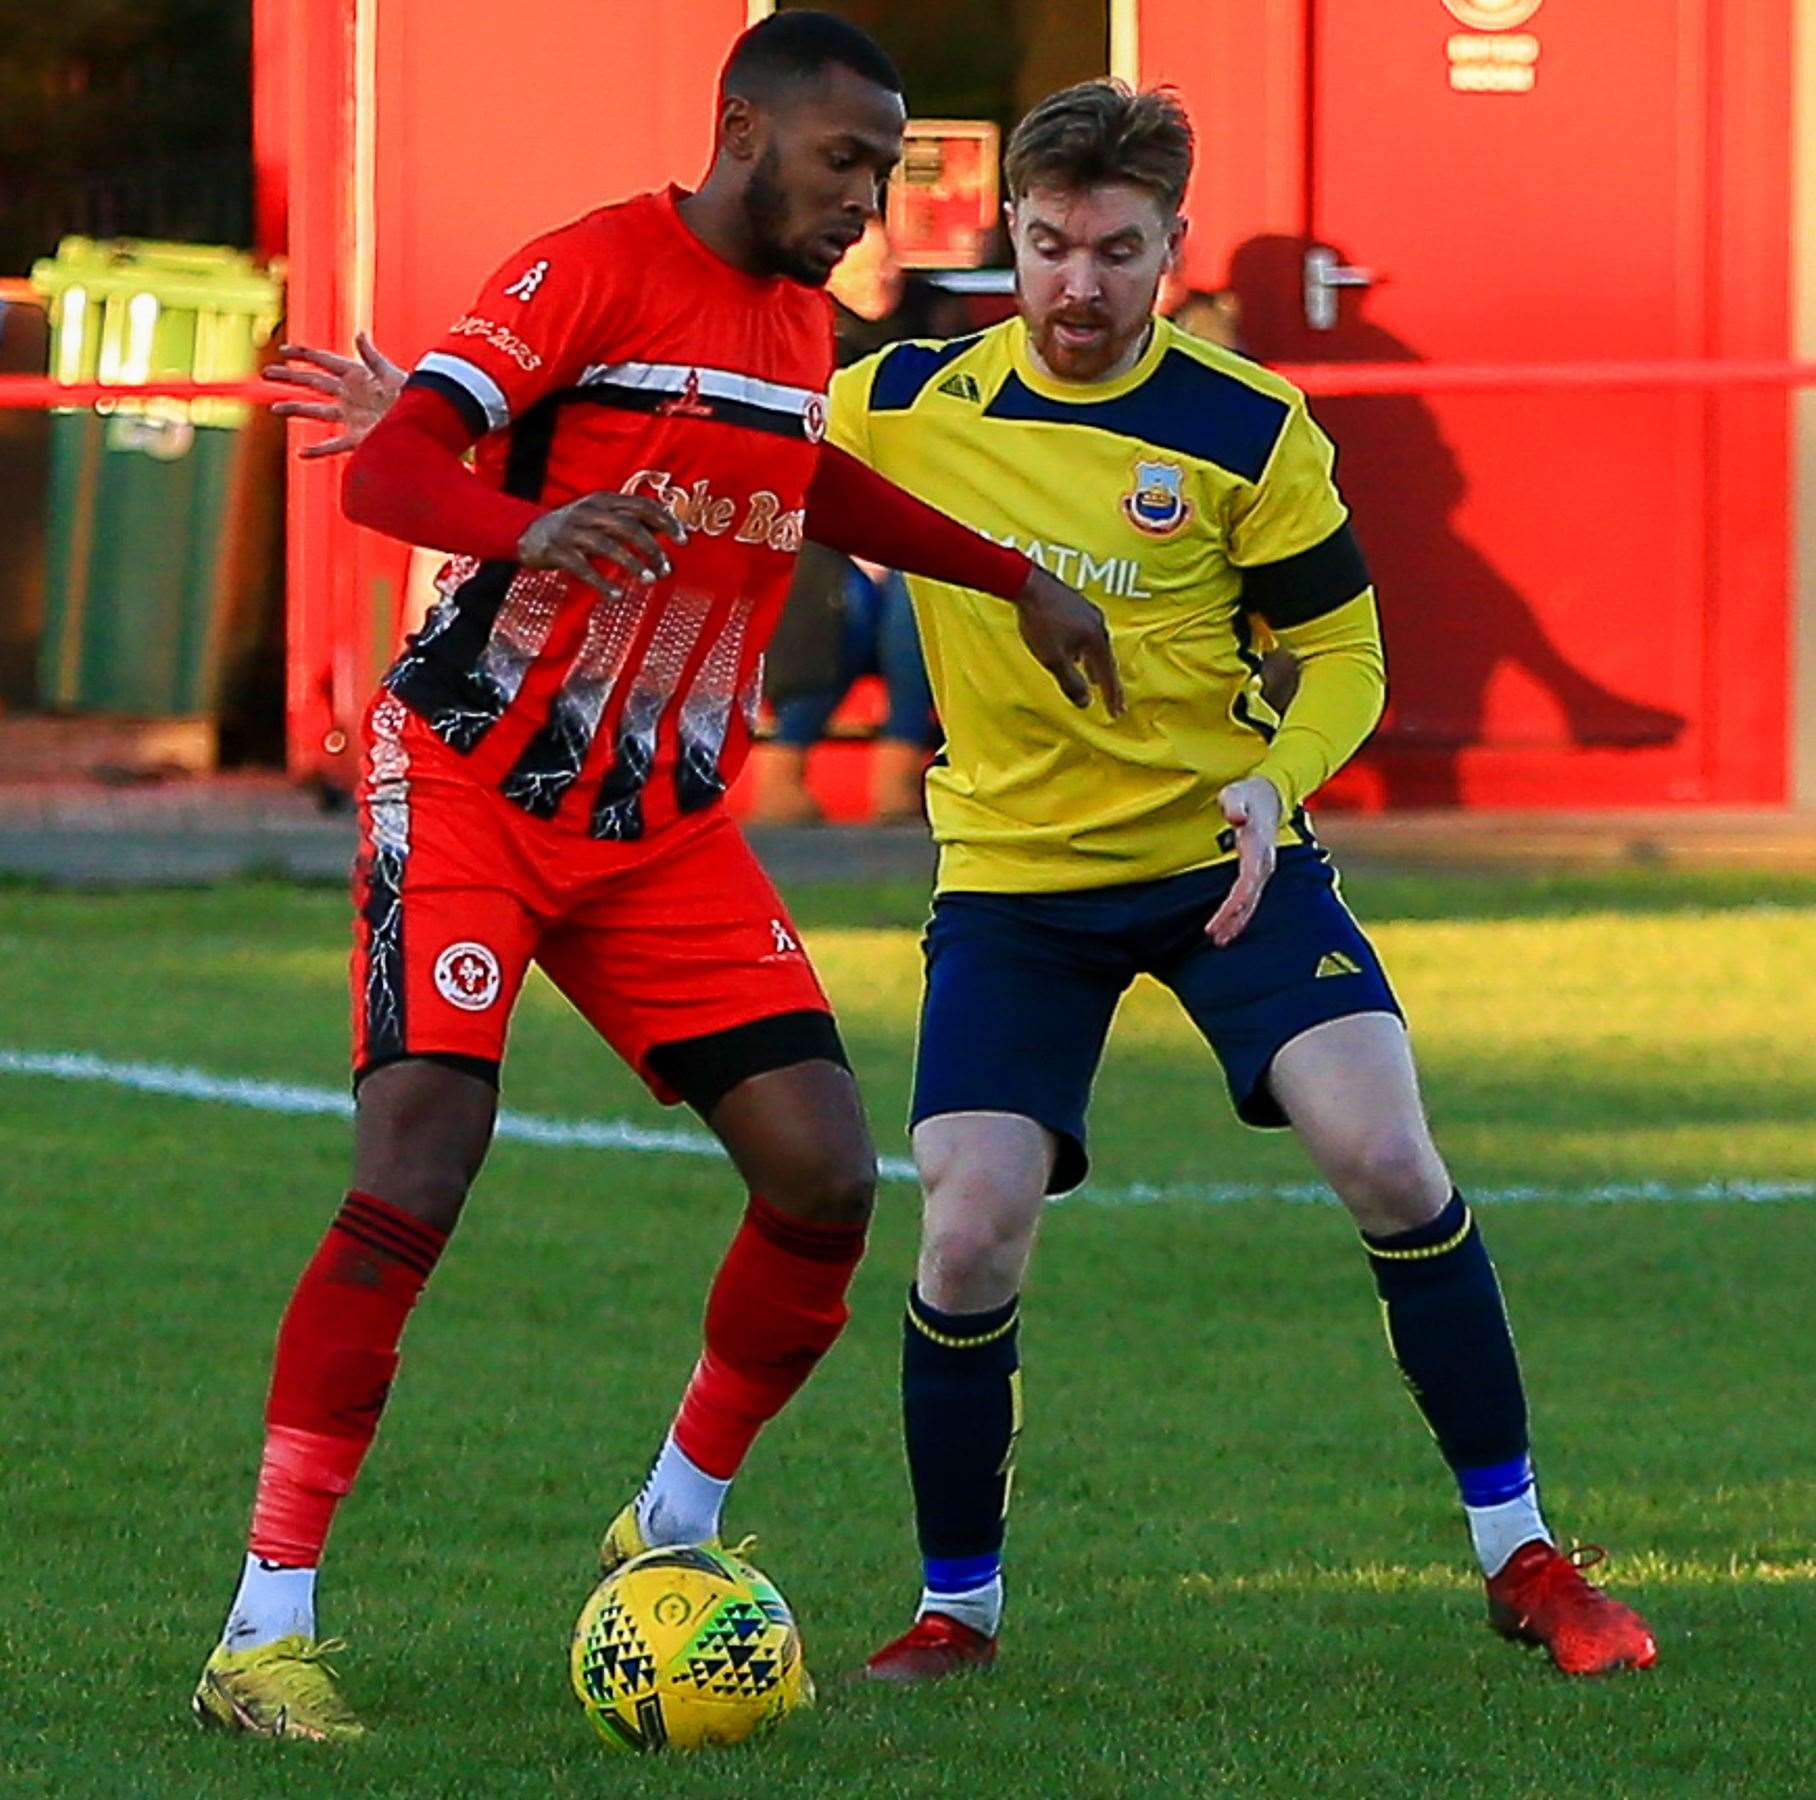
(356, 394)
(1252, 805)
(1067, 635)
(602, 527)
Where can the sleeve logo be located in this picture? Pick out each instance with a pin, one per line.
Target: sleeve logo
(526, 284)
(501, 337)
(1156, 502)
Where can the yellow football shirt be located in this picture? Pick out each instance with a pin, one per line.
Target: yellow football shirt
(1156, 495)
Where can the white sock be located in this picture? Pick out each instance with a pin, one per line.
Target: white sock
(1497, 1531)
(980, 1607)
(273, 1602)
(680, 1502)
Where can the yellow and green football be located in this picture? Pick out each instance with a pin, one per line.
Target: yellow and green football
(683, 1648)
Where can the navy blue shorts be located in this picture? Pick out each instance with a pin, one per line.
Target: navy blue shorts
(1021, 989)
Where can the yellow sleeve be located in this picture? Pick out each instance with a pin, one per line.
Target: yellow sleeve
(1294, 505)
(1342, 689)
(848, 408)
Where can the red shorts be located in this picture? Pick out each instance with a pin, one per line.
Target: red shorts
(456, 891)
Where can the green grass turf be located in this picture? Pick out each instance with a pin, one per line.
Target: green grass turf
(1236, 1568)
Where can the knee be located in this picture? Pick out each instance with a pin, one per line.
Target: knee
(974, 1249)
(435, 1194)
(836, 1187)
(429, 1184)
(1391, 1178)
(419, 1165)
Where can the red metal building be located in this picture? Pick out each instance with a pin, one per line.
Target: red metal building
(1588, 588)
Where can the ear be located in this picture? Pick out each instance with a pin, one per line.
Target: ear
(741, 128)
(1176, 242)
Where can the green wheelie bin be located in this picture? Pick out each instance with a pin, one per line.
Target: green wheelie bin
(143, 495)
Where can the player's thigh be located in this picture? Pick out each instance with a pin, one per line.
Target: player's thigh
(1014, 1018)
(1351, 1091)
(693, 971)
(984, 1179)
(1302, 961)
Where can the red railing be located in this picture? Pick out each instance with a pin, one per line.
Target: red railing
(24, 391)
(18, 391)
(1539, 378)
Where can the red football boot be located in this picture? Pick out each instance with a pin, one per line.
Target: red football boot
(1540, 1597)
(935, 1646)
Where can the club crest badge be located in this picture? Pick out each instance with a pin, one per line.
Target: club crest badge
(1156, 502)
(467, 976)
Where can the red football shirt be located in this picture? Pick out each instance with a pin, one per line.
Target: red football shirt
(620, 353)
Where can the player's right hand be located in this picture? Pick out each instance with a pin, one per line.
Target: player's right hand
(603, 527)
(355, 395)
(1069, 639)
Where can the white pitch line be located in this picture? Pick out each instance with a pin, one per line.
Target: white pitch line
(294, 1098)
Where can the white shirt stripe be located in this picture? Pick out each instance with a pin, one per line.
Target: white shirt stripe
(475, 381)
(715, 384)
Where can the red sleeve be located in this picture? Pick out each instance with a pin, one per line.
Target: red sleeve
(542, 315)
(408, 481)
(850, 507)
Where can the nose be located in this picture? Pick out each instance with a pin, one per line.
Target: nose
(862, 200)
(1079, 283)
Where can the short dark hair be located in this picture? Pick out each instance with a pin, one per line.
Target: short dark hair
(797, 46)
(1103, 131)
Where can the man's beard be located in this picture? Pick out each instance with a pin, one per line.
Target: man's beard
(766, 215)
(1085, 365)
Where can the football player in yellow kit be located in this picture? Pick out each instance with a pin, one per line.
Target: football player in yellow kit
(1188, 492)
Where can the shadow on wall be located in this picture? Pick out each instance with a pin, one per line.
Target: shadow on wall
(1451, 618)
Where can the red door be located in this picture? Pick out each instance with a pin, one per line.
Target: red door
(1585, 593)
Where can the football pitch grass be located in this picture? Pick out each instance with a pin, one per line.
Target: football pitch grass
(1236, 1565)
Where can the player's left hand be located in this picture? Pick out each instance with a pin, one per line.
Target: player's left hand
(356, 395)
(1252, 805)
(1069, 639)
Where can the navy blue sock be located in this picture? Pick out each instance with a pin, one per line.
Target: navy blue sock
(1449, 1333)
(961, 1413)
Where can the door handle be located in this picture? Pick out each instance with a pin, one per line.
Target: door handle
(1324, 275)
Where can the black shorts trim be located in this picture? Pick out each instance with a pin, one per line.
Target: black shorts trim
(703, 1070)
(483, 1068)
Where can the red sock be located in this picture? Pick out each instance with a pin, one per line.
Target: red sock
(777, 1306)
(336, 1355)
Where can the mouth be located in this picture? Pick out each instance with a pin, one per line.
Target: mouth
(1075, 334)
(834, 244)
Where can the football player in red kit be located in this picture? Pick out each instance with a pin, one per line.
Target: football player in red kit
(646, 388)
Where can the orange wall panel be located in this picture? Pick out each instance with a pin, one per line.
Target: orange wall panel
(497, 122)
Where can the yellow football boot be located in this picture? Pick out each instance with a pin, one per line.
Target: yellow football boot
(624, 1539)
(284, 1689)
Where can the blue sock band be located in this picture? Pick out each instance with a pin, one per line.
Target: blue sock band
(1496, 1484)
(960, 1574)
